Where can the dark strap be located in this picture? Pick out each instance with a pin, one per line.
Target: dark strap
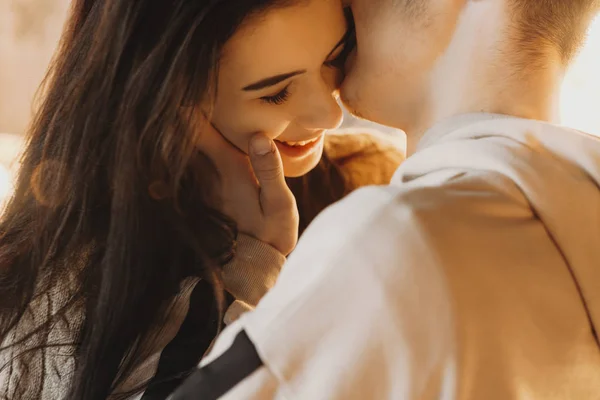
(223, 374)
(184, 352)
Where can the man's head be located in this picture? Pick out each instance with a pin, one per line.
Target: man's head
(417, 57)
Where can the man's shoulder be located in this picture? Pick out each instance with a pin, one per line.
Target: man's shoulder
(452, 189)
(404, 215)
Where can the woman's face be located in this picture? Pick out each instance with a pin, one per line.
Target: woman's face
(278, 76)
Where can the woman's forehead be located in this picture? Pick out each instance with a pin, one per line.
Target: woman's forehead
(285, 39)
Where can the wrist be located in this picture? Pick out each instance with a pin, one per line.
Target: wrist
(253, 270)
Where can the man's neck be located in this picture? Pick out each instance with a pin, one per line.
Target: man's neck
(482, 71)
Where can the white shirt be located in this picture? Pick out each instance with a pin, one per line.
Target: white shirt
(474, 275)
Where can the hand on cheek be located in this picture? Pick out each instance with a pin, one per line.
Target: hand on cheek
(253, 191)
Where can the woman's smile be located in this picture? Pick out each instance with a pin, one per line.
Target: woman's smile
(299, 149)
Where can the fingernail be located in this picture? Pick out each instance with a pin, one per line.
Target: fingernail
(261, 145)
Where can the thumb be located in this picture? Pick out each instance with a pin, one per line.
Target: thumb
(268, 169)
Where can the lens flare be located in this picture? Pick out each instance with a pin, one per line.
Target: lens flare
(6, 186)
(580, 98)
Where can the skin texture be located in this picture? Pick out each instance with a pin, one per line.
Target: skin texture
(398, 44)
(304, 37)
(420, 61)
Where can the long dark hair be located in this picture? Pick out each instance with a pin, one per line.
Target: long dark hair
(112, 207)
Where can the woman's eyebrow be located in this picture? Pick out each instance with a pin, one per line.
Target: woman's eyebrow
(274, 80)
(271, 81)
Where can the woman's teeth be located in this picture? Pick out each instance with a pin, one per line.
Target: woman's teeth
(300, 144)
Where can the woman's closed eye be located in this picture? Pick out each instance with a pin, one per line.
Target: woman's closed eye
(337, 59)
(279, 98)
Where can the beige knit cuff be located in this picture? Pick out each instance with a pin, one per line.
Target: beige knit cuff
(253, 270)
(235, 310)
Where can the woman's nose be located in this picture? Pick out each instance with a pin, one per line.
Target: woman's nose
(321, 109)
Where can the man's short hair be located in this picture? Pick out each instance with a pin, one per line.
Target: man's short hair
(558, 23)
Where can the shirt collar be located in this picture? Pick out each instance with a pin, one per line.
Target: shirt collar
(451, 124)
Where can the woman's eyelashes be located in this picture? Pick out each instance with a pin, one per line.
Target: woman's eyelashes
(337, 62)
(279, 98)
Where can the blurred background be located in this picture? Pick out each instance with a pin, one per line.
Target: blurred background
(29, 33)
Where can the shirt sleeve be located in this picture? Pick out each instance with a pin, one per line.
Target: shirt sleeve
(444, 285)
(347, 319)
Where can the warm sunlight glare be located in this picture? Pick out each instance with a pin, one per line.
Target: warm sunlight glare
(580, 104)
(5, 185)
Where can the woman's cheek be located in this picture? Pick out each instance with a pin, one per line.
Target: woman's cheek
(268, 125)
(276, 130)
(239, 122)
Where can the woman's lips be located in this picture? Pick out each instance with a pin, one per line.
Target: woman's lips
(299, 149)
